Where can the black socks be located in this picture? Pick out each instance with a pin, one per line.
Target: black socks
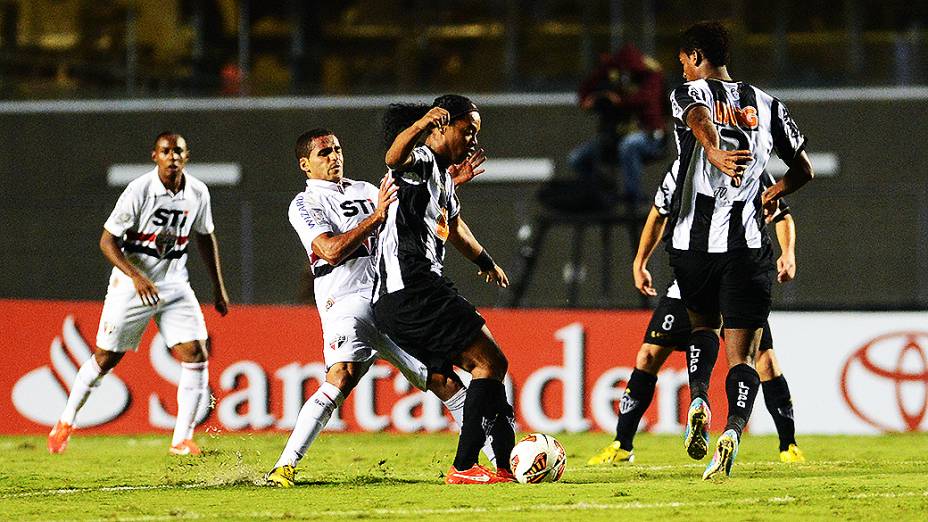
(638, 395)
(741, 386)
(780, 405)
(486, 412)
(701, 354)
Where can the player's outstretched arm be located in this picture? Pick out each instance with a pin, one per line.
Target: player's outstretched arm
(334, 248)
(800, 172)
(786, 237)
(208, 247)
(463, 239)
(147, 290)
(732, 163)
(650, 237)
(398, 155)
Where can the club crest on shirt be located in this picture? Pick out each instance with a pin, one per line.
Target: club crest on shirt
(337, 342)
(164, 242)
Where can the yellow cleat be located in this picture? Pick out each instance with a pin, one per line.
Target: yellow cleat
(612, 454)
(793, 455)
(281, 477)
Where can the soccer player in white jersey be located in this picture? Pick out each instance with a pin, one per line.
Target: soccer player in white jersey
(153, 220)
(669, 331)
(337, 220)
(716, 239)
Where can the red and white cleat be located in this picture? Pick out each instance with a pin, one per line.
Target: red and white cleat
(187, 447)
(59, 436)
(505, 475)
(475, 475)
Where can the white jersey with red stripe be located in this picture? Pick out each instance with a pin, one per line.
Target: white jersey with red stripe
(155, 226)
(335, 208)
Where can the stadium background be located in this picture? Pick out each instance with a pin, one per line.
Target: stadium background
(87, 85)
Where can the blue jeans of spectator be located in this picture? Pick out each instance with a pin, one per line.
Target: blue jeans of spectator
(633, 150)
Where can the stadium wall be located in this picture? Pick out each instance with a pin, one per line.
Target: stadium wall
(863, 232)
(848, 372)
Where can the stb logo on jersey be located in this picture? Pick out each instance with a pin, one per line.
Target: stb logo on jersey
(164, 242)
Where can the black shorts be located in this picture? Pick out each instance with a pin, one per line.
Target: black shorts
(430, 321)
(735, 284)
(670, 327)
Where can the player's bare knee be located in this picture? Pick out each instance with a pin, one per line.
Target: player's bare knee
(766, 365)
(191, 352)
(344, 376)
(107, 360)
(649, 359)
(444, 386)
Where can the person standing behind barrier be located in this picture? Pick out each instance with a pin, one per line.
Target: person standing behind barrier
(626, 91)
(153, 220)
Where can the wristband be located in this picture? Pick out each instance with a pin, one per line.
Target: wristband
(484, 261)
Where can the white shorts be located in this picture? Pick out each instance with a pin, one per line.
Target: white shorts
(349, 335)
(124, 318)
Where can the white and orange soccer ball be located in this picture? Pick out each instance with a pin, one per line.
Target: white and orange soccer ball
(538, 458)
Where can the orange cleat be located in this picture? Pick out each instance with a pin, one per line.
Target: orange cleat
(475, 475)
(59, 436)
(187, 447)
(505, 475)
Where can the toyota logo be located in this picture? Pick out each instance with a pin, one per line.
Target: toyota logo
(885, 382)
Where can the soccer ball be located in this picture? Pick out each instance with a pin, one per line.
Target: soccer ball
(538, 458)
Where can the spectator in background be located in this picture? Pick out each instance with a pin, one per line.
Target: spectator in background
(626, 91)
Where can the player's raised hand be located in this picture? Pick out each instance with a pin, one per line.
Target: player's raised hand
(385, 196)
(643, 281)
(497, 275)
(436, 118)
(468, 169)
(732, 163)
(147, 290)
(786, 268)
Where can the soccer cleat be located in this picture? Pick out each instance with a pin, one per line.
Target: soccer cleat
(187, 447)
(793, 455)
(726, 449)
(696, 437)
(477, 474)
(281, 477)
(59, 436)
(505, 475)
(612, 454)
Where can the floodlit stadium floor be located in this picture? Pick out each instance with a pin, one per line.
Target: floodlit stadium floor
(385, 476)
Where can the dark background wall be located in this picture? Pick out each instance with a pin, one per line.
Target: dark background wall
(863, 235)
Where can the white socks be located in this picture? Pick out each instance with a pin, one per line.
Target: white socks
(455, 406)
(314, 415)
(88, 378)
(190, 389)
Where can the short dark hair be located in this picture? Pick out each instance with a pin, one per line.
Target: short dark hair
(304, 144)
(166, 134)
(709, 37)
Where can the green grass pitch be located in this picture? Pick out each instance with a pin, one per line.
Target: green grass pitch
(385, 476)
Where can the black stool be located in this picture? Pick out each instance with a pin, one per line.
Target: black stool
(633, 221)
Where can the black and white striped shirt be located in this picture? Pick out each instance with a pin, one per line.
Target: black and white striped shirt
(707, 213)
(411, 245)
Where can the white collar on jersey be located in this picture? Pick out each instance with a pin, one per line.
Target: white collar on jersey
(158, 188)
(329, 185)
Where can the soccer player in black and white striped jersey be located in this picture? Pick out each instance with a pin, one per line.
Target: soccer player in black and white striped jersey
(717, 243)
(415, 304)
